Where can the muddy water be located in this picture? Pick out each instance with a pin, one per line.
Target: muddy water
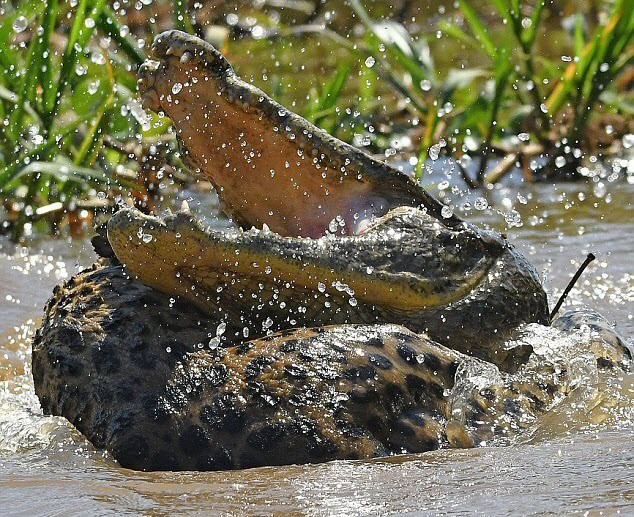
(567, 465)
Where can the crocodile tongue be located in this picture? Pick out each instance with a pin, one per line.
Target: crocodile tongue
(268, 165)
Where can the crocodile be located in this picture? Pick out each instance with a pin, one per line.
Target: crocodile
(345, 317)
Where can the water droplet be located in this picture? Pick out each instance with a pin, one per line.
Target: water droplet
(147, 238)
(93, 87)
(434, 152)
(425, 85)
(37, 139)
(481, 204)
(513, 219)
(560, 161)
(465, 160)
(321, 287)
(370, 61)
(446, 212)
(353, 302)
(176, 88)
(20, 24)
(599, 189)
(141, 116)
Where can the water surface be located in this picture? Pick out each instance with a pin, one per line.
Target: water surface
(567, 465)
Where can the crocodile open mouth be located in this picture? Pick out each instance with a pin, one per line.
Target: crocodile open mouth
(269, 165)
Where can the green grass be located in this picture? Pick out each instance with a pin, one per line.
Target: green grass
(73, 137)
(69, 113)
(486, 103)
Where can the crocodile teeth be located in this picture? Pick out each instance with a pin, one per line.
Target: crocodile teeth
(185, 207)
(169, 51)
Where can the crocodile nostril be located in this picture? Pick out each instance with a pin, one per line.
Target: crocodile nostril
(185, 47)
(150, 100)
(161, 44)
(145, 82)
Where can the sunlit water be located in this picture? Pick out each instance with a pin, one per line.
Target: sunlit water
(566, 465)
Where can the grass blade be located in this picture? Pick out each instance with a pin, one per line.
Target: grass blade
(8, 58)
(64, 172)
(90, 145)
(27, 88)
(78, 38)
(579, 38)
(426, 142)
(181, 17)
(48, 88)
(330, 95)
(11, 170)
(457, 33)
(478, 29)
(110, 24)
(528, 36)
(576, 72)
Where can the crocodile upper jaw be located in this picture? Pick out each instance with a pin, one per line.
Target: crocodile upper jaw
(269, 165)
